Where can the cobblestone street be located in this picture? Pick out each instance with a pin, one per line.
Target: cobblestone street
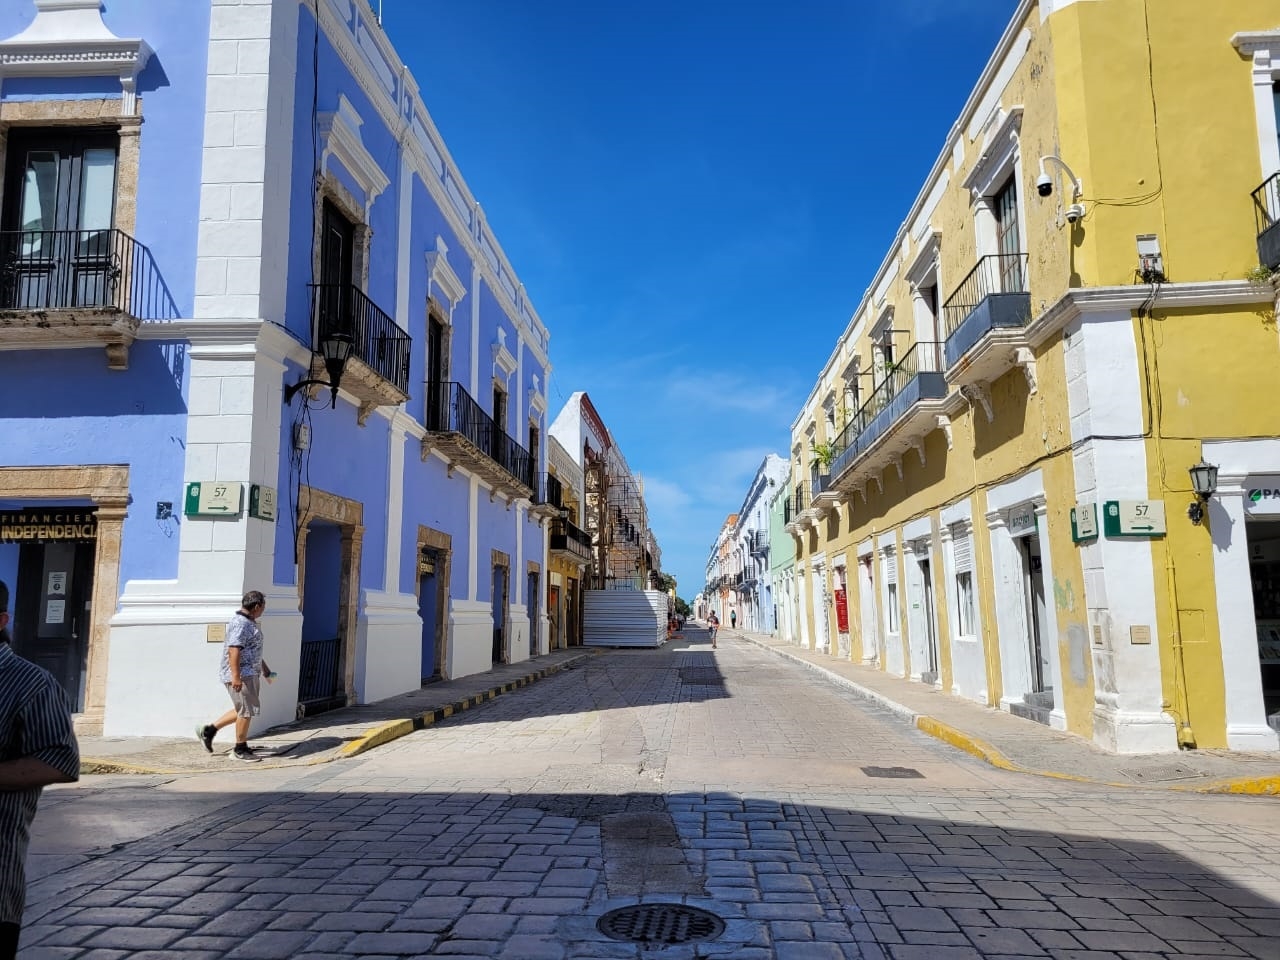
(814, 824)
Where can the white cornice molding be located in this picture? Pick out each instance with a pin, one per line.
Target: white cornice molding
(504, 360)
(997, 154)
(1090, 300)
(1250, 43)
(442, 273)
(68, 38)
(340, 136)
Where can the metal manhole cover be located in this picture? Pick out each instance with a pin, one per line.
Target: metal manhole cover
(701, 675)
(894, 773)
(660, 923)
(1160, 772)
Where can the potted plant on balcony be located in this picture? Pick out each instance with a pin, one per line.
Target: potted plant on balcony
(823, 453)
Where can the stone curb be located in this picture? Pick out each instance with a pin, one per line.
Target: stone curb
(375, 737)
(975, 746)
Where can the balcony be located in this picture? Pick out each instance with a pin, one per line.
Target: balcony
(758, 543)
(901, 411)
(467, 436)
(377, 373)
(570, 542)
(78, 288)
(984, 319)
(1266, 212)
(548, 497)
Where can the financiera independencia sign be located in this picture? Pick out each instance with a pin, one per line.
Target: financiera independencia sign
(48, 524)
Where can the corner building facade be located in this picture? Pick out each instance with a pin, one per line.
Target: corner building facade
(202, 202)
(991, 472)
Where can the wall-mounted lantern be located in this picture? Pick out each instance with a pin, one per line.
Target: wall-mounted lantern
(335, 350)
(1204, 482)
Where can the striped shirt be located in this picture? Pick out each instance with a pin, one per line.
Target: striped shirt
(35, 721)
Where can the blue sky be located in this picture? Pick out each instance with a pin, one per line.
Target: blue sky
(695, 194)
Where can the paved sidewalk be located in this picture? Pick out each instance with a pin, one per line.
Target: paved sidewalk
(1013, 743)
(338, 733)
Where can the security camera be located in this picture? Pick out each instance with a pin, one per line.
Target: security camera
(1044, 185)
(1074, 213)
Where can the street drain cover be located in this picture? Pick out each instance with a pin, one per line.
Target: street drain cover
(1159, 772)
(660, 923)
(893, 773)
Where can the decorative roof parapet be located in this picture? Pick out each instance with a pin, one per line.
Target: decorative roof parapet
(68, 38)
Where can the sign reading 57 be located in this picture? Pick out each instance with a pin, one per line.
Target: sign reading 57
(1134, 518)
(214, 498)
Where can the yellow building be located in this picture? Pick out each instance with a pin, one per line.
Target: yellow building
(994, 465)
(569, 550)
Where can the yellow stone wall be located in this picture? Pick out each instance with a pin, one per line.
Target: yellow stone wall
(1160, 127)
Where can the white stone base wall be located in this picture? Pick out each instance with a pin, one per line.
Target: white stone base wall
(470, 648)
(388, 646)
(162, 677)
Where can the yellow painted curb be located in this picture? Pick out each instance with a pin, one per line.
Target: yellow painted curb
(962, 741)
(376, 737)
(1250, 786)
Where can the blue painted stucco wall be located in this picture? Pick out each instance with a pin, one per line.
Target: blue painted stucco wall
(64, 408)
(172, 90)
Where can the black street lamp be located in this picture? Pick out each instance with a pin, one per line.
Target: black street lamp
(335, 350)
(1204, 481)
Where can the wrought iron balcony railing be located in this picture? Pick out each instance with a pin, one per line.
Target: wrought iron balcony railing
(994, 294)
(1266, 212)
(50, 270)
(451, 410)
(567, 538)
(913, 378)
(377, 341)
(799, 500)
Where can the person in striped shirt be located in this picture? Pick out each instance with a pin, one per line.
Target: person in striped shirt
(37, 748)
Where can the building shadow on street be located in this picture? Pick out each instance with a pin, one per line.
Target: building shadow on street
(361, 869)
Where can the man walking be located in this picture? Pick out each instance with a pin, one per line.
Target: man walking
(733, 619)
(241, 670)
(37, 748)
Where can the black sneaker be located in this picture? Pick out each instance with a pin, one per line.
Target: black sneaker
(245, 754)
(205, 734)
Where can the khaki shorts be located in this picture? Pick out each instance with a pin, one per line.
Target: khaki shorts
(246, 699)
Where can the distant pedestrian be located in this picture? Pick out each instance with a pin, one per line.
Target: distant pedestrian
(713, 622)
(241, 670)
(733, 619)
(37, 748)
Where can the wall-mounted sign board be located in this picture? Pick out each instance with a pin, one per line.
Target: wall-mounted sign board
(214, 498)
(262, 502)
(1022, 520)
(1084, 522)
(1133, 518)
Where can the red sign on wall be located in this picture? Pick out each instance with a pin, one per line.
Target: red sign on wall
(842, 611)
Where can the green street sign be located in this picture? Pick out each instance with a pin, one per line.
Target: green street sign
(1133, 518)
(213, 498)
(262, 502)
(1084, 522)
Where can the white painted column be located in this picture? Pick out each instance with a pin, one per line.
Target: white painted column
(473, 539)
(1011, 618)
(803, 631)
(872, 637)
(1049, 629)
(1247, 727)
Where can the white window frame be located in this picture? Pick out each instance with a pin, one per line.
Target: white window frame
(1263, 48)
(963, 532)
(889, 567)
(1001, 159)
